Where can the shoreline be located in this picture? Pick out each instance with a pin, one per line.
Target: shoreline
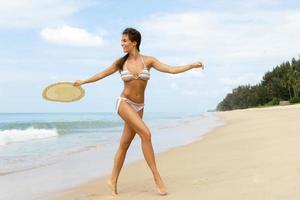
(69, 193)
(78, 168)
(248, 157)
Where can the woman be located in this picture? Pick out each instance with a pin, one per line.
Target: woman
(134, 69)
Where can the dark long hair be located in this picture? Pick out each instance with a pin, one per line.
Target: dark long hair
(134, 36)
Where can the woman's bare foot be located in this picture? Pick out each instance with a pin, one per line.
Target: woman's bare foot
(161, 188)
(113, 188)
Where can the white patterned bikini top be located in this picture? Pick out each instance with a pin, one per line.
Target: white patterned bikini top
(126, 75)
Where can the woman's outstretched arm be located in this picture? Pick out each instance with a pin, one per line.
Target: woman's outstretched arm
(108, 71)
(155, 63)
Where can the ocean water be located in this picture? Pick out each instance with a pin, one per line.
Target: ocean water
(31, 140)
(65, 149)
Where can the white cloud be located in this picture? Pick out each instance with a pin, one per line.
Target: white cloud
(37, 13)
(237, 80)
(193, 89)
(190, 83)
(224, 36)
(71, 36)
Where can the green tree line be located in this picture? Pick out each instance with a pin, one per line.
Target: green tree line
(280, 84)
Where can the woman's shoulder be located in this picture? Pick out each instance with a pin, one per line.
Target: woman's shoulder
(147, 56)
(148, 59)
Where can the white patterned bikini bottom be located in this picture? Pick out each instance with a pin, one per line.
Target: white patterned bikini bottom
(136, 106)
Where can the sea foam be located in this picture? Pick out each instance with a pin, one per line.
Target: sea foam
(18, 135)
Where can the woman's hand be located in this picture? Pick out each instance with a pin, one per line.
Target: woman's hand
(198, 64)
(78, 83)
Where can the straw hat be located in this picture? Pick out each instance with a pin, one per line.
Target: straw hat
(63, 92)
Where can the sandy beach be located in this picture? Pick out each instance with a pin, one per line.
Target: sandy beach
(254, 155)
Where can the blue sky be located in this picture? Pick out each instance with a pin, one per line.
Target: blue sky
(46, 41)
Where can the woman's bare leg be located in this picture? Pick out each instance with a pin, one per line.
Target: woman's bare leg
(136, 123)
(126, 139)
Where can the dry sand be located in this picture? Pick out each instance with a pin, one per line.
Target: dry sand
(255, 155)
